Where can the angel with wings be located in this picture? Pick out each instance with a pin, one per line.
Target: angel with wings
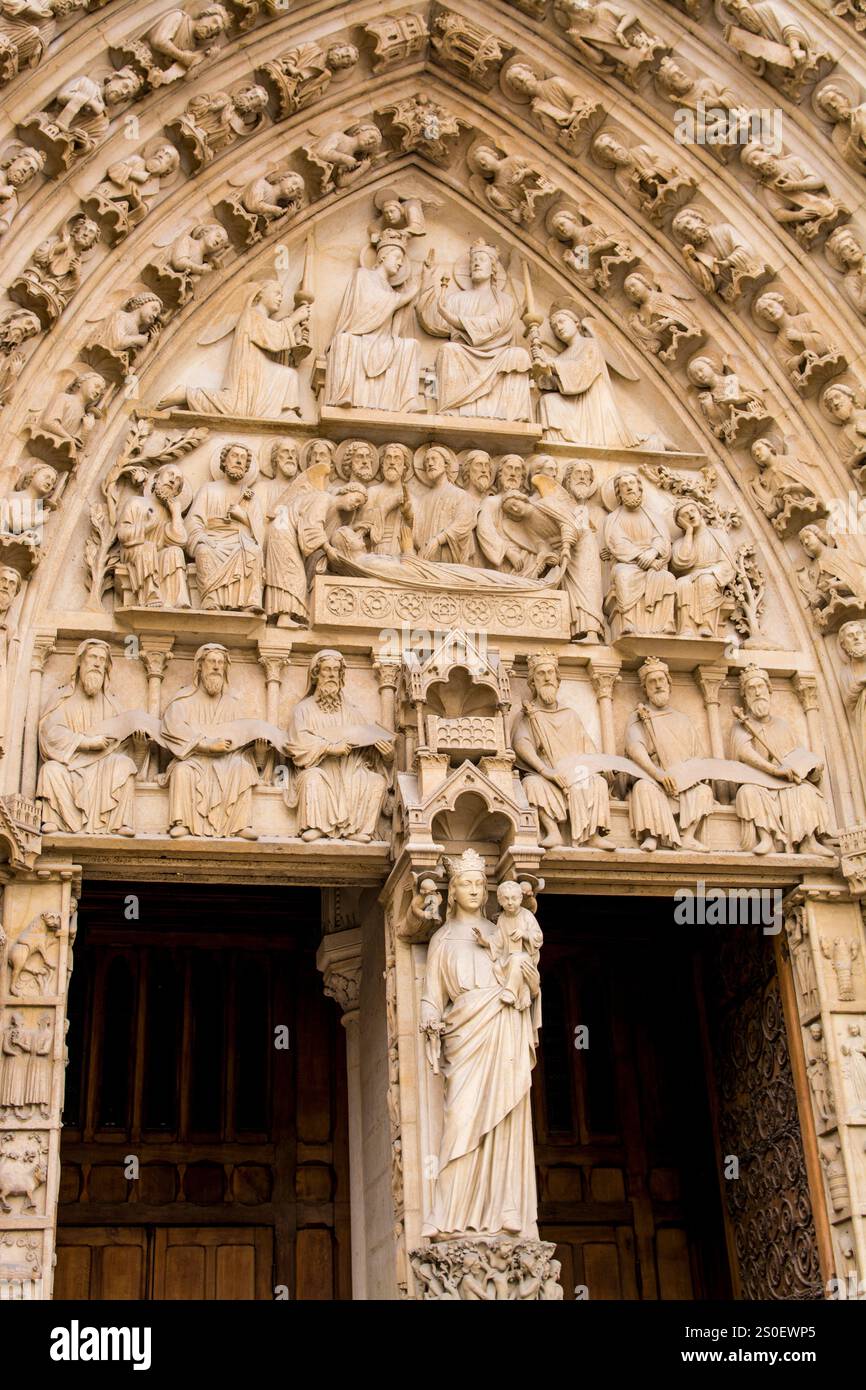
(261, 381)
(578, 404)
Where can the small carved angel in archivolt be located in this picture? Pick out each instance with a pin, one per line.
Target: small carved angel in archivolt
(660, 321)
(735, 412)
(508, 183)
(122, 334)
(175, 273)
(647, 178)
(123, 197)
(809, 357)
(343, 156)
(273, 197)
(593, 254)
(401, 209)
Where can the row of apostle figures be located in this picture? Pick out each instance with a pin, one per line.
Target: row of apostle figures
(339, 761)
(374, 357)
(427, 519)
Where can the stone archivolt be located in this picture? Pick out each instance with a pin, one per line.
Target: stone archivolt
(425, 463)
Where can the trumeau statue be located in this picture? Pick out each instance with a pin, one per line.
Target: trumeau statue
(122, 199)
(808, 356)
(577, 403)
(787, 812)
(717, 256)
(558, 107)
(608, 38)
(658, 737)
(214, 121)
(642, 593)
(211, 778)
(508, 183)
(225, 528)
(18, 168)
(86, 780)
(373, 356)
(258, 382)
(648, 179)
(337, 787)
(302, 75)
(593, 254)
(485, 1175)
(796, 195)
(548, 738)
(770, 40)
(479, 371)
(53, 273)
(705, 569)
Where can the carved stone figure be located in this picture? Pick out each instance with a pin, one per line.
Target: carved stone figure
(211, 779)
(503, 539)
(769, 39)
(701, 98)
(175, 273)
(834, 584)
(214, 121)
(10, 588)
(642, 593)
(796, 195)
(577, 403)
(387, 515)
(485, 1176)
(77, 120)
(33, 957)
(262, 202)
(609, 39)
(566, 505)
(373, 357)
(658, 737)
(18, 168)
(787, 817)
(26, 29)
(152, 537)
(818, 1072)
(15, 328)
(123, 335)
(717, 256)
(508, 182)
(783, 490)
(298, 513)
(847, 116)
(53, 273)
(225, 527)
(853, 1051)
(69, 418)
(86, 780)
(337, 788)
(734, 412)
(705, 569)
(177, 44)
(842, 952)
(302, 75)
(25, 1083)
(122, 199)
(444, 515)
(661, 322)
(479, 371)
(808, 356)
(852, 677)
(845, 253)
(558, 107)
(647, 178)
(400, 210)
(344, 156)
(846, 407)
(258, 382)
(590, 251)
(549, 738)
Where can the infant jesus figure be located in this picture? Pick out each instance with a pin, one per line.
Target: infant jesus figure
(519, 938)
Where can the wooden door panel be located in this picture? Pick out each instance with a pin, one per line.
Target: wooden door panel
(101, 1262)
(222, 1263)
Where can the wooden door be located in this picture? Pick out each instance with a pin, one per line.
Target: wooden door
(628, 1183)
(205, 1127)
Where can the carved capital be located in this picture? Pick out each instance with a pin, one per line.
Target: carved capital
(387, 670)
(43, 646)
(273, 666)
(155, 654)
(604, 678)
(806, 686)
(339, 959)
(709, 680)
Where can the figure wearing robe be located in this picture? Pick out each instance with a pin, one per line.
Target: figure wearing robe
(582, 408)
(555, 735)
(83, 791)
(789, 814)
(338, 795)
(705, 568)
(665, 737)
(369, 365)
(641, 600)
(443, 511)
(581, 575)
(479, 372)
(260, 382)
(227, 551)
(208, 793)
(296, 531)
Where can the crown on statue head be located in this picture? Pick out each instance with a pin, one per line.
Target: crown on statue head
(479, 244)
(392, 236)
(652, 663)
(542, 658)
(749, 673)
(469, 862)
